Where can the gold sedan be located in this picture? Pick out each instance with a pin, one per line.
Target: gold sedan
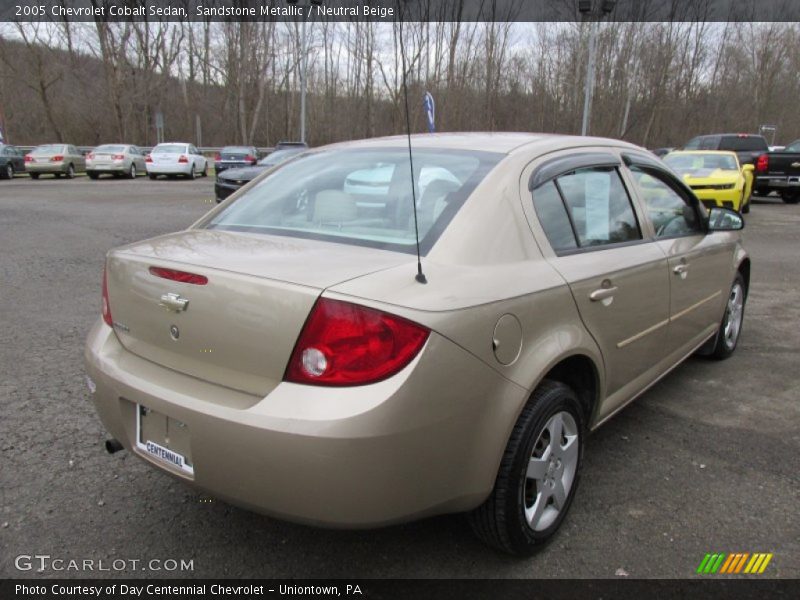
(289, 353)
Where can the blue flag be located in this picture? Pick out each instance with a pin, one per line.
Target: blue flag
(430, 111)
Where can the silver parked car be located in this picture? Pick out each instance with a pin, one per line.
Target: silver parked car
(55, 159)
(116, 160)
(563, 276)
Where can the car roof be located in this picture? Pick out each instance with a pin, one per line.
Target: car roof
(500, 142)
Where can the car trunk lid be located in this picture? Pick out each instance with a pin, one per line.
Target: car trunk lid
(239, 328)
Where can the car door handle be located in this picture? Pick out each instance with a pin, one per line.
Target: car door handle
(680, 269)
(603, 293)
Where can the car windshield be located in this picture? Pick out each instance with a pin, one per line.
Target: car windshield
(170, 149)
(109, 148)
(793, 147)
(279, 156)
(49, 149)
(236, 150)
(700, 162)
(361, 197)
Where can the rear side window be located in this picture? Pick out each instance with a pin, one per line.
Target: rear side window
(599, 207)
(553, 216)
(754, 143)
(595, 205)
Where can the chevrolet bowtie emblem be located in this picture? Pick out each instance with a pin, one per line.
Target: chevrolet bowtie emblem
(173, 301)
(796, 164)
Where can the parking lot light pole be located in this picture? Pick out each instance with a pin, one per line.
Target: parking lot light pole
(585, 7)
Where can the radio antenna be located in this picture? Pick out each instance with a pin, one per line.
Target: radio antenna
(420, 276)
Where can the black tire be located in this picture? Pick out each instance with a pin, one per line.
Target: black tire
(763, 192)
(132, 172)
(205, 171)
(8, 172)
(725, 344)
(791, 198)
(152, 176)
(745, 205)
(34, 175)
(93, 175)
(191, 174)
(501, 520)
(70, 172)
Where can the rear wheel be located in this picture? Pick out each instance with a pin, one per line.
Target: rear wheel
(34, 175)
(731, 326)
(153, 176)
(191, 174)
(791, 197)
(132, 172)
(93, 175)
(70, 172)
(205, 170)
(538, 474)
(9, 171)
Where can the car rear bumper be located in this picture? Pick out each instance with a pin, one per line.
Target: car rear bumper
(177, 169)
(342, 457)
(120, 167)
(53, 167)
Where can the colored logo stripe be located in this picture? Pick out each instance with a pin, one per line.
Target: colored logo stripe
(736, 562)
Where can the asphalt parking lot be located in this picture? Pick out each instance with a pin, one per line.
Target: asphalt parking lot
(706, 461)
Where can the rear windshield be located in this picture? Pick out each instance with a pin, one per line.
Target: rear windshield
(361, 197)
(743, 143)
(170, 148)
(48, 149)
(109, 148)
(236, 150)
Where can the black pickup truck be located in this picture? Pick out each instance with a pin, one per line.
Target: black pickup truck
(780, 172)
(748, 146)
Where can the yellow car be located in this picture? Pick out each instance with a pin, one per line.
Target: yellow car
(716, 178)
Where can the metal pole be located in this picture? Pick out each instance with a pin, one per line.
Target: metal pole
(303, 77)
(589, 91)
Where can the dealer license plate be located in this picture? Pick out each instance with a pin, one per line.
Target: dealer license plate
(163, 438)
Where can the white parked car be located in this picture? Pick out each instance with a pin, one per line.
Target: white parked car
(176, 158)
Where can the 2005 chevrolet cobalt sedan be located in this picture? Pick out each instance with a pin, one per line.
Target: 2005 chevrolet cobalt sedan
(282, 354)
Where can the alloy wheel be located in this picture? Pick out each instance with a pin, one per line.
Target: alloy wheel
(551, 471)
(734, 316)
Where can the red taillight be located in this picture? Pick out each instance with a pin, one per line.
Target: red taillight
(762, 163)
(250, 159)
(346, 344)
(117, 156)
(148, 158)
(183, 159)
(57, 158)
(90, 156)
(106, 305)
(181, 276)
(28, 158)
(217, 156)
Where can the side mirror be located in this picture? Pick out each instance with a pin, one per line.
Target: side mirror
(724, 219)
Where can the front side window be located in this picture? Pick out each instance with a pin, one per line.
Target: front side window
(670, 213)
(361, 196)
